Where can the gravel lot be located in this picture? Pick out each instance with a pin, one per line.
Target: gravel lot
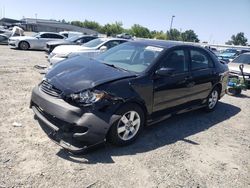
(195, 149)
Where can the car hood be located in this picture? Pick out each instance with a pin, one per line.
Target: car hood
(80, 73)
(234, 67)
(63, 49)
(22, 38)
(59, 42)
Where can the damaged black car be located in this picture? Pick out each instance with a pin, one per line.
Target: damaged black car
(82, 102)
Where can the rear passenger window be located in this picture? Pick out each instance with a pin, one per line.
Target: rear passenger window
(199, 60)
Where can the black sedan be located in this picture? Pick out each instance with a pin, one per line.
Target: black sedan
(79, 39)
(82, 102)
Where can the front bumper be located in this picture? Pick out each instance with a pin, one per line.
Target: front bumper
(13, 44)
(75, 129)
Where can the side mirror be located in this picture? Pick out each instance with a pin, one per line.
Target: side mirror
(165, 71)
(38, 37)
(103, 48)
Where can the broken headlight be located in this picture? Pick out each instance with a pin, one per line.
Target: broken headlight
(87, 97)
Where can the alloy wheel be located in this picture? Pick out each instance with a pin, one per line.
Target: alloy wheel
(213, 99)
(128, 125)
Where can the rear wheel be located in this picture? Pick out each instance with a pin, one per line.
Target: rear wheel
(23, 45)
(212, 99)
(125, 130)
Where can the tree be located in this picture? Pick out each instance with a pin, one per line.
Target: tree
(189, 36)
(158, 35)
(77, 23)
(174, 34)
(112, 29)
(91, 25)
(140, 31)
(239, 39)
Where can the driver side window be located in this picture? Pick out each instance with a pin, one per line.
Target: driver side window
(175, 60)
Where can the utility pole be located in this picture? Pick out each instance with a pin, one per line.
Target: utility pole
(170, 29)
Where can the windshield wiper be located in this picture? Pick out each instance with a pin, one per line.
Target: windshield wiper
(119, 68)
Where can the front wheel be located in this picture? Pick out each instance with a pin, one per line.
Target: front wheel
(23, 45)
(125, 130)
(212, 99)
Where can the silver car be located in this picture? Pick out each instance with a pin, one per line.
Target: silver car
(37, 41)
(90, 49)
(234, 66)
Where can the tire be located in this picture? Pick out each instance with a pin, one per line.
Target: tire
(233, 91)
(23, 45)
(125, 130)
(212, 100)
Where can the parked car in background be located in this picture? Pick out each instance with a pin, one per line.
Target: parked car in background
(6, 32)
(90, 49)
(84, 101)
(124, 36)
(75, 40)
(228, 55)
(234, 66)
(3, 39)
(69, 34)
(37, 41)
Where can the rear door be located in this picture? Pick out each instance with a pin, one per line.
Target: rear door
(46, 37)
(202, 73)
(173, 91)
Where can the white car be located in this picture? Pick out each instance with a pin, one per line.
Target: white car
(89, 49)
(37, 41)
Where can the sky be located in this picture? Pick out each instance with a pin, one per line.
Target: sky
(214, 21)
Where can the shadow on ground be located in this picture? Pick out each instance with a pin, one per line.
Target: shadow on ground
(177, 128)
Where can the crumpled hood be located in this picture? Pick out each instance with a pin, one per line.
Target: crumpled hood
(63, 49)
(80, 73)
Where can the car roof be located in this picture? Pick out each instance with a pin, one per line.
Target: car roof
(109, 39)
(163, 43)
(50, 33)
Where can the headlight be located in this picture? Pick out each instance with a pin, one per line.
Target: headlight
(87, 97)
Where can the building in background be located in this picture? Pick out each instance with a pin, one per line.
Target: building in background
(40, 25)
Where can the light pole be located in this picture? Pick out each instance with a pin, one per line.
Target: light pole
(170, 32)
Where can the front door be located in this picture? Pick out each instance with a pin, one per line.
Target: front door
(173, 90)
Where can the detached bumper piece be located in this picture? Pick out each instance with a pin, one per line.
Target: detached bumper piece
(64, 135)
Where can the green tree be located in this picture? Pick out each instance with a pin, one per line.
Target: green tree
(91, 25)
(189, 36)
(77, 23)
(158, 35)
(112, 29)
(238, 39)
(140, 31)
(174, 34)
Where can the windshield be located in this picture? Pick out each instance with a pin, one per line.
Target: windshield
(93, 43)
(36, 34)
(132, 57)
(73, 39)
(230, 51)
(242, 59)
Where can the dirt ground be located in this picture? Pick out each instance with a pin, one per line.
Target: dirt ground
(195, 149)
